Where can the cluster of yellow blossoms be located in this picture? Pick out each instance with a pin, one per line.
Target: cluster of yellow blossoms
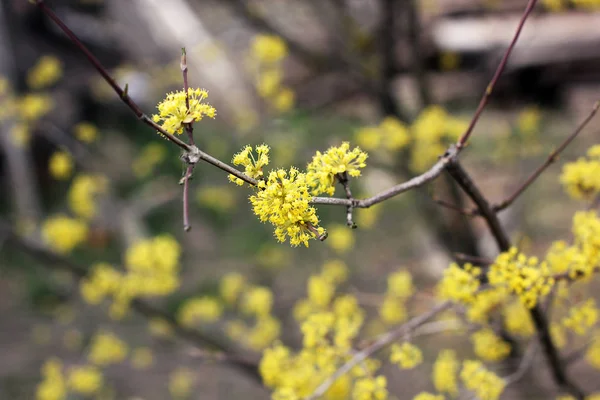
(581, 178)
(267, 53)
(336, 161)
(173, 111)
(152, 268)
(562, 5)
(399, 289)
(429, 135)
(57, 382)
(283, 197)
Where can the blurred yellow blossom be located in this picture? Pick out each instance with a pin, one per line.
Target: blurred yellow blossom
(582, 317)
(481, 381)
(32, 106)
(341, 238)
(83, 194)
(581, 178)
(406, 355)
(106, 348)
(201, 309)
(180, 382)
(268, 82)
(142, 357)
(335, 271)
(45, 72)
(284, 99)
(253, 165)
(489, 346)
(231, 286)
(53, 385)
(150, 156)
(160, 328)
(63, 234)
(86, 132)
(257, 300)
(60, 165)
(85, 379)
(217, 198)
(268, 48)
(445, 372)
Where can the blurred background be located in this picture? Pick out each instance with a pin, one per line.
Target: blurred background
(80, 175)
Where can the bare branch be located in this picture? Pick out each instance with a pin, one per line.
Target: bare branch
(501, 67)
(417, 181)
(552, 157)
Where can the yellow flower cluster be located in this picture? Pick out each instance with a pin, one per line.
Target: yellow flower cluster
(562, 5)
(63, 234)
(390, 135)
(86, 132)
(581, 178)
(152, 268)
(180, 383)
(220, 199)
(329, 324)
(459, 284)
(484, 383)
(254, 302)
(86, 379)
(33, 106)
(53, 385)
(324, 168)
(488, 346)
(428, 396)
(284, 201)
(526, 277)
(253, 166)
(340, 238)
(406, 355)
(201, 309)
(173, 112)
(586, 229)
(431, 132)
(267, 53)
(582, 317)
(106, 348)
(592, 354)
(83, 194)
(60, 165)
(44, 73)
(399, 289)
(445, 372)
(517, 319)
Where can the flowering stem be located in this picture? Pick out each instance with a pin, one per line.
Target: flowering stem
(123, 95)
(552, 157)
(501, 67)
(184, 70)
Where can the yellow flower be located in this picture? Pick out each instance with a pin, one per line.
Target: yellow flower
(582, 317)
(150, 156)
(395, 134)
(173, 111)
(102, 281)
(85, 379)
(60, 165)
(32, 107)
(407, 355)
(268, 82)
(53, 385)
(63, 234)
(517, 319)
(268, 48)
(253, 165)
(428, 396)
(180, 382)
(335, 271)
(400, 284)
(106, 348)
(529, 121)
(370, 389)
(257, 301)
(264, 332)
(44, 73)
(142, 357)
(526, 277)
(484, 383)
(284, 99)
(341, 238)
(320, 291)
(86, 132)
(445, 372)
(488, 346)
(217, 198)
(459, 283)
(581, 178)
(203, 309)
(284, 201)
(231, 287)
(392, 310)
(83, 194)
(324, 168)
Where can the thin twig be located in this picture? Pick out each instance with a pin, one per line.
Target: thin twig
(51, 259)
(526, 363)
(501, 67)
(552, 157)
(186, 205)
(417, 181)
(381, 342)
(344, 181)
(189, 128)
